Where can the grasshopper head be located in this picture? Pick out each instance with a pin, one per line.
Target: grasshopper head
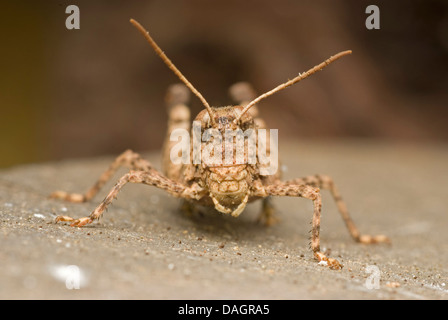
(224, 151)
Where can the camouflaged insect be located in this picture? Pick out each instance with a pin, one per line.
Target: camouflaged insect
(227, 188)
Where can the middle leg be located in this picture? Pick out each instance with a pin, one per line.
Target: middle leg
(152, 177)
(128, 159)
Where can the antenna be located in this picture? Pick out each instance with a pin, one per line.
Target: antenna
(300, 77)
(173, 68)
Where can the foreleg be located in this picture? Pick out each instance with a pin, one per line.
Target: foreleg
(311, 193)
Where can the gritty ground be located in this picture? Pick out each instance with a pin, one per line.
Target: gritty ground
(146, 248)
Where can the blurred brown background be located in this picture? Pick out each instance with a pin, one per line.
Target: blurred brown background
(100, 90)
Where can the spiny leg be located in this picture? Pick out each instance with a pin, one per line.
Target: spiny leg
(151, 177)
(312, 193)
(127, 159)
(327, 183)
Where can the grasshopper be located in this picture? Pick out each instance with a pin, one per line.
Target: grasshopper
(226, 187)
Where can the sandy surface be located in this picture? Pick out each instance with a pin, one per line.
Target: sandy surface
(146, 248)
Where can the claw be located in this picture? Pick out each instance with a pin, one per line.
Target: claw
(330, 262)
(81, 222)
(75, 223)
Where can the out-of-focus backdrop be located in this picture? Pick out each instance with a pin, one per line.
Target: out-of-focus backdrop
(100, 89)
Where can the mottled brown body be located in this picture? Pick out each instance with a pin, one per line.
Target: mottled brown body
(227, 187)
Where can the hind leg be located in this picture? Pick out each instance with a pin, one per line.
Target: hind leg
(177, 99)
(326, 183)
